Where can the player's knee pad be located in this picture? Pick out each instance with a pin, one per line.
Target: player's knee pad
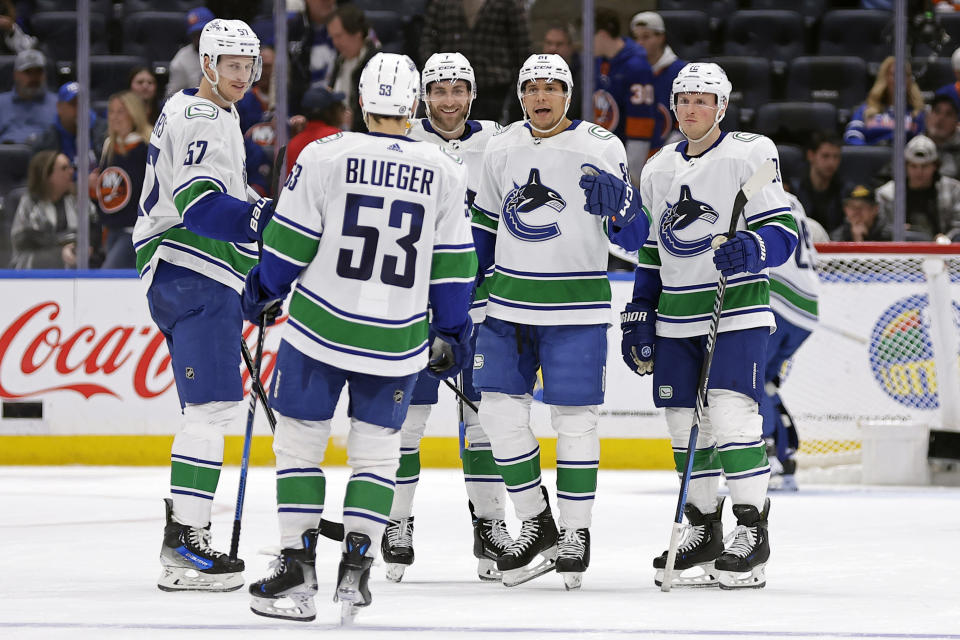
(502, 414)
(304, 440)
(735, 416)
(679, 422)
(209, 419)
(373, 447)
(575, 421)
(414, 425)
(475, 434)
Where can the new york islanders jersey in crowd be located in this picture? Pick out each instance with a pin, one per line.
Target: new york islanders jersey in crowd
(623, 101)
(196, 148)
(795, 285)
(371, 226)
(469, 147)
(690, 200)
(550, 255)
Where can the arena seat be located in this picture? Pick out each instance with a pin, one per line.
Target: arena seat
(862, 164)
(839, 80)
(180, 6)
(57, 32)
(688, 33)
(732, 122)
(716, 10)
(14, 159)
(750, 77)
(793, 122)
(103, 7)
(108, 74)
(775, 35)
(856, 32)
(792, 161)
(154, 35)
(932, 74)
(810, 10)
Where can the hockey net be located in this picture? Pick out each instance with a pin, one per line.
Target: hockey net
(885, 351)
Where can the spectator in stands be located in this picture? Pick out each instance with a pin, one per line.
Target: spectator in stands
(651, 34)
(44, 230)
(119, 179)
(933, 201)
(256, 105)
(348, 28)
(494, 31)
(62, 134)
(143, 83)
(820, 190)
(873, 121)
(185, 65)
(12, 38)
(952, 90)
(27, 110)
(862, 222)
(559, 39)
(311, 51)
(623, 98)
(942, 120)
(325, 111)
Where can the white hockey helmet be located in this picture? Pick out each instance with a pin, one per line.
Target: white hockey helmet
(448, 66)
(229, 38)
(390, 85)
(702, 77)
(546, 66)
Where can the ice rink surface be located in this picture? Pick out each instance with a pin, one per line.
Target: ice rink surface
(81, 544)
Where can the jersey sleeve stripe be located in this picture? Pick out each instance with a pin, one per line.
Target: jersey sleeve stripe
(296, 226)
(453, 247)
(285, 242)
(793, 298)
(285, 258)
(453, 267)
(648, 256)
(483, 220)
(193, 191)
(763, 215)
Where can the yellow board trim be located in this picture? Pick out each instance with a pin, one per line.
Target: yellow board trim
(615, 453)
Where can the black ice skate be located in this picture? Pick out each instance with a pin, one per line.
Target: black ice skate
(288, 592)
(785, 480)
(701, 545)
(573, 556)
(742, 565)
(397, 547)
(490, 540)
(352, 577)
(190, 564)
(538, 535)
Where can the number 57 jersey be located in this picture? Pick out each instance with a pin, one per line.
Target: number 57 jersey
(374, 225)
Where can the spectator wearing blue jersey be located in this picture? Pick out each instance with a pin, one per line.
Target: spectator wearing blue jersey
(623, 97)
(952, 90)
(185, 66)
(27, 110)
(650, 33)
(62, 134)
(310, 48)
(873, 122)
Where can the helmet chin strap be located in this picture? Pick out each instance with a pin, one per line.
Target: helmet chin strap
(716, 121)
(526, 117)
(216, 81)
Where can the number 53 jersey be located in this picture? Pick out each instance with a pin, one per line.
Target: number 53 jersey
(375, 226)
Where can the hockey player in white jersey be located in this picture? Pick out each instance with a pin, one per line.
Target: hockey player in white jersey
(195, 239)
(448, 88)
(369, 227)
(549, 308)
(689, 189)
(794, 291)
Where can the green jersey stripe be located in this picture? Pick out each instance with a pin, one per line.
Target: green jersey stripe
(289, 243)
(194, 192)
(368, 496)
(740, 460)
(648, 256)
(703, 460)
(797, 300)
(552, 290)
(694, 303)
(571, 480)
(224, 251)
(301, 490)
(479, 218)
(461, 265)
(191, 476)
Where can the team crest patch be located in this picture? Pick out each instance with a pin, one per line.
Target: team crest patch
(189, 373)
(530, 198)
(683, 219)
(478, 361)
(398, 396)
(665, 391)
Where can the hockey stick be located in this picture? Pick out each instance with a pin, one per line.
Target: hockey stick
(461, 397)
(462, 425)
(328, 528)
(763, 176)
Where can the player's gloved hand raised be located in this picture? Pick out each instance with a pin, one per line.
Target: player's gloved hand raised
(744, 252)
(260, 215)
(450, 354)
(255, 303)
(639, 326)
(609, 196)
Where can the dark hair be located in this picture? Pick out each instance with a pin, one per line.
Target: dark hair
(606, 20)
(820, 138)
(942, 97)
(38, 172)
(332, 114)
(353, 19)
(565, 27)
(153, 106)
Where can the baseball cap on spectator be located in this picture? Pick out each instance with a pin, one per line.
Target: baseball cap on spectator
(318, 98)
(648, 19)
(68, 91)
(920, 150)
(29, 59)
(859, 192)
(197, 19)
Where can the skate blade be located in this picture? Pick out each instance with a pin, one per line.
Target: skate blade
(513, 577)
(348, 614)
(487, 570)
(697, 576)
(299, 608)
(395, 571)
(754, 579)
(186, 579)
(572, 580)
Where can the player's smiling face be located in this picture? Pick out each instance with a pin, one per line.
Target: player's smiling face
(544, 101)
(449, 103)
(236, 74)
(696, 113)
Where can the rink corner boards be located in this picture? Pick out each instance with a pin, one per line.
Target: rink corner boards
(154, 450)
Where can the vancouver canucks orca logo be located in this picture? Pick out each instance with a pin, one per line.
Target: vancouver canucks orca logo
(681, 215)
(527, 198)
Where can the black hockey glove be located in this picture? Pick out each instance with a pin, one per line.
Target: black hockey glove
(255, 303)
(639, 326)
(744, 252)
(260, 215)
(609, 196)
(450, 354)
